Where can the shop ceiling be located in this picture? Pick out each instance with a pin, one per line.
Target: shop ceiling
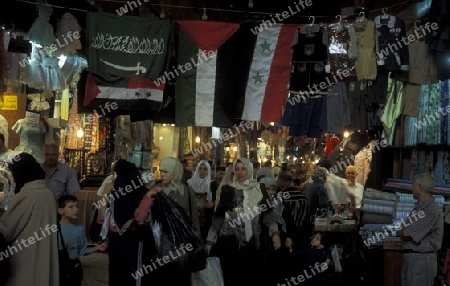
(22, 13)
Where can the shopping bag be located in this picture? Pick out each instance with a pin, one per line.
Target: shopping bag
(210, 276)
(336, 259)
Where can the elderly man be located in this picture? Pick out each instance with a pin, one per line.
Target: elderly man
(355, 188)
(59, 177)
(338, 192)
(422, 232)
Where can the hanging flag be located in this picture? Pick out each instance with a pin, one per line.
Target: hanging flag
(199, 93)
(127, 46)
(140, 94)
(269, 74)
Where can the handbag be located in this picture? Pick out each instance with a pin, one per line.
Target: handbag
(69, 269)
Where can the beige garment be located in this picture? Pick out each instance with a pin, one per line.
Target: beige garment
(422, 64)
(28, 214)
(366, 65)
(362, 165)
(410, 100)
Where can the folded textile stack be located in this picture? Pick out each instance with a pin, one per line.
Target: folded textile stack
(373, 235)
(407, 202)
(405, 205)
(406, 185)
(378, 207)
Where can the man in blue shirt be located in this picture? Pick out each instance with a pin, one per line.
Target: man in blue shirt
(59, 177)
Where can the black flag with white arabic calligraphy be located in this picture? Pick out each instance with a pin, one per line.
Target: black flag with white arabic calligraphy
(127, 46)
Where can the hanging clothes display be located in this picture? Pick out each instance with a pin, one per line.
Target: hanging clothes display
(306, 118)
(367, 43)
(338, 109)
(41, 32)
(439, 40)
(30, 133)
(54, 80)
(392, 109)
(309, 56)
(422, 66)
(33, 72)
(342, 49)
(65, 33)
(357, 106)
(362, 164)
(331, 144)
(429, 121)
(390, 30)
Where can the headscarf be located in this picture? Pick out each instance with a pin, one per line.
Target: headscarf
(225, 181)
(201, 185)
(252, 192)
(319, 175)
(25, 169)
(175, 168)
(268, 181)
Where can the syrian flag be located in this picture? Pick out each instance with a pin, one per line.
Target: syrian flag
(269, 74)
(140, 94)
(199, 93)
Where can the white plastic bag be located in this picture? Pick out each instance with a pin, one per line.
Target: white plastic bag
(210, 276)
(336, 259)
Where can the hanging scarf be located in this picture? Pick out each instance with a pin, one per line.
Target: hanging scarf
(175, 168)
(201, 185)
(252, 193)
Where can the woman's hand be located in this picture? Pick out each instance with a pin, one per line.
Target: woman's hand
(276, 241)
(154, 191)
(102, 246)
(208, 248)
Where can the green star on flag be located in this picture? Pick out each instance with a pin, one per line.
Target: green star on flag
(149, 94)
(265, 46)
(257, 78)
(137, 94)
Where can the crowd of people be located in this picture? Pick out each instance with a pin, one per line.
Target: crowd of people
(257, 221)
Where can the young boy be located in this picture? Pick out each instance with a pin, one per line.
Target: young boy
(73, 234)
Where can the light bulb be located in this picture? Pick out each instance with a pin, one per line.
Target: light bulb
(346, 134)
(197, 139)
(234, 148)
(80, 133)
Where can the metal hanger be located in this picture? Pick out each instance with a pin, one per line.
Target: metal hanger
(361, 17)
(313, 19)
(385, 15)
(417, 25)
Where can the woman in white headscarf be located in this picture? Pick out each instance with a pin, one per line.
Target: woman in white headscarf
(200, 182)
(242, 221)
